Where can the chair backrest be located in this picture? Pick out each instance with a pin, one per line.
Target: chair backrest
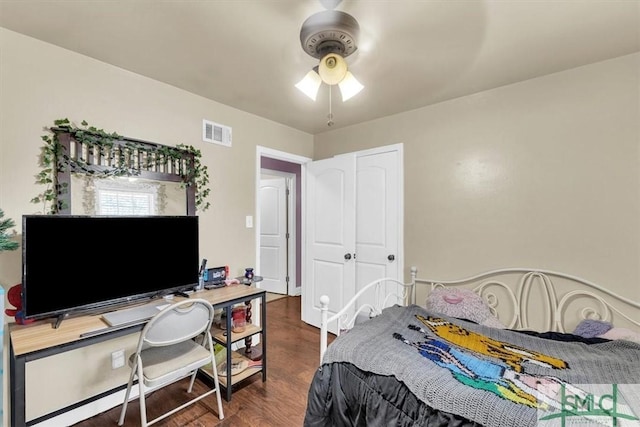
(179, 322)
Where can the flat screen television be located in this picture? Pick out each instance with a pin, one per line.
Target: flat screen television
(73, 264)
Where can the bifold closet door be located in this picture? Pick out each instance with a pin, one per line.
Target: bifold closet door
(353, 227)
(329, 234)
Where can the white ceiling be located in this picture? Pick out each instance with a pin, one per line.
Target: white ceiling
(412, 53)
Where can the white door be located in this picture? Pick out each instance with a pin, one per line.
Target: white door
(330, 235)
(356, 202)
(273, 234)
(378, 204)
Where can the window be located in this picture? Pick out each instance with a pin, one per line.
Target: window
(119, 202)
(124, 197)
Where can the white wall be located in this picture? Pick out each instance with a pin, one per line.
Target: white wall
(544, 173)
(40, 83)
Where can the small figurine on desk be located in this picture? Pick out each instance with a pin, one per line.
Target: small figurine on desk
(230, 282)
(14, 296)
(249, 277)
(202, 275)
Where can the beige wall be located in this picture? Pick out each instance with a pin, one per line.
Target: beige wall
(544, 173)
(40, 83)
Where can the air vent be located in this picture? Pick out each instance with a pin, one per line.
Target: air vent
(216, 133)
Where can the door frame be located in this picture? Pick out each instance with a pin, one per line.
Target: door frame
(291, 158)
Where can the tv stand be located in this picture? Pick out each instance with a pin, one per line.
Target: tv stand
(181, 294)
(59, 320)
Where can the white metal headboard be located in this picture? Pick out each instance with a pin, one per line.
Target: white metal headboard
(513, 287)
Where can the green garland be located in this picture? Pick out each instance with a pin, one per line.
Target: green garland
(6, 244)
(92, 137)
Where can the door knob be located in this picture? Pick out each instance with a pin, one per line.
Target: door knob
(391, 257)
(347, 256)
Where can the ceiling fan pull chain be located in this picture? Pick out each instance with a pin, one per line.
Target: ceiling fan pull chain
(330, 121)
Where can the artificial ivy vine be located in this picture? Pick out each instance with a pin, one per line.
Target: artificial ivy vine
(6, 242)
(54, 159)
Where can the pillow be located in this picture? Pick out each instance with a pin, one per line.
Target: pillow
(621, 334)
(590, 328)
(463, 304)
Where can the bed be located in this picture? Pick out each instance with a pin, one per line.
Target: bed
(396, 361)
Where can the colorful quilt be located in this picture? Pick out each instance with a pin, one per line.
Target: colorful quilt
(496, 377)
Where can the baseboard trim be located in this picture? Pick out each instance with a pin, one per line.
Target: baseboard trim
(85, 411)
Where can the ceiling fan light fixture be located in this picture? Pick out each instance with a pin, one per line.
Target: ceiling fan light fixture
(349, 86)
(332, 69)
(310, 84)
(330, 36)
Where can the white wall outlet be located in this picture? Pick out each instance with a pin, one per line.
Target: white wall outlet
(117, 359)
(249, 221)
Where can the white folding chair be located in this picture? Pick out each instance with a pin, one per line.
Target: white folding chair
(170, 349)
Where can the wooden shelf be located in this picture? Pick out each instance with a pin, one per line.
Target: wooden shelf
(222, 379)
(220, 336)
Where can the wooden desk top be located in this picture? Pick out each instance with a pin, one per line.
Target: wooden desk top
(41, 335)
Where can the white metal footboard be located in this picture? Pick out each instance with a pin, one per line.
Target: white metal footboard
(346, 317)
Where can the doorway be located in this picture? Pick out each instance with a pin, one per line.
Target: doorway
(277, 231)
(276, 168)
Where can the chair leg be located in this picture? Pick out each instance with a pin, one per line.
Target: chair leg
(193, 380)
(143, 407)
(123, 412)
(216, 384)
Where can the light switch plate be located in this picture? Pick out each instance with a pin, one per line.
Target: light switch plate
(249, 221)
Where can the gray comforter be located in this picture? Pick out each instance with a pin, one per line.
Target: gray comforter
(411, 367)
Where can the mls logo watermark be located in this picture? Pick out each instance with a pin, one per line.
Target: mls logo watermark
(578, 405)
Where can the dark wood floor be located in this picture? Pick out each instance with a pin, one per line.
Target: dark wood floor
(293, 357)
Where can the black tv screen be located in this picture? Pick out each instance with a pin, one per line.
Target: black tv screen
(76, 263)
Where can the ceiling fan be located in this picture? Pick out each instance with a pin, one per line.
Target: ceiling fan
(330, 36)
